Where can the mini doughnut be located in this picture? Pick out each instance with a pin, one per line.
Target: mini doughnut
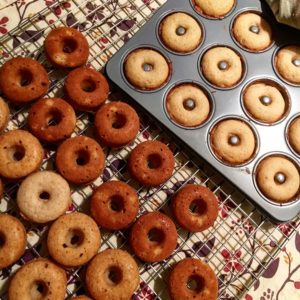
(114, 205)
(80, 159)
(180, 32)
(233, 141)
(20, 154)
(12, 240)
(116, 124)
(180, 112)
(86, 88)
(112, 274)
(214, 8)
(38, 279)
(73, 239)
(4, 114)
(23, 79)
(254, 96)
(151, 163)
(222, 67)
(195, 207)
(66, 47)
(192, 279)
(287, 63)
(51, 120)
(266, 174)
(252, 31)
(294, 134)
(146, 69)
(43, 196)
(153, 237)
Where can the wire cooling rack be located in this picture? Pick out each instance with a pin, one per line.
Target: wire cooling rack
(243, 241)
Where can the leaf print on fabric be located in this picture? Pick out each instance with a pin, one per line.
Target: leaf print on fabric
(126, 25)
(144, 293)
(57, 9)
(232, 261)
(297, 241)
(3, 23)
(271, 269)
(203, 249)
(94, 12)
(31, 35)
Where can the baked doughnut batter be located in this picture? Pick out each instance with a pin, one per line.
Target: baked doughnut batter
(4, 114)
(214, 8)
(294, 134)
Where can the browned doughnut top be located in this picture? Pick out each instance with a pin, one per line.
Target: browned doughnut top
(153, 237)
(80, 159)
(81, 297)
(51, 120)
(195, 207)
(86, 88)
(151, 163)
(12, 240)
(117, 124)
(114, 205)
(192, 279)
(23, 79)
(38, 279)
(66, 47)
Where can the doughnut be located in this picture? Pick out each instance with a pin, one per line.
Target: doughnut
(114, 205)
(180, 32)
(192, 279)
(80, 159)
(188, 105)
(20, 154)
(146, 69)
(287, 63)
(294, 135)
(38, 279)
(43, 196)
(116, 124)
(233, 141)
(265, 102)
(86, 89)
(23, 79)
(12, 240)
(73, 239)
(151, 163)
(66, 47)
(222, 67)
(153, 237)
(278, 178)
(4, 114)
(195, 207)
(51, 120)
(112, 274)
(1, 189)
(82, 297)
(217, 9)
(252, 31)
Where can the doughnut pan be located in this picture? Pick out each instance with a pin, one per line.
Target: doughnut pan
(227, 102)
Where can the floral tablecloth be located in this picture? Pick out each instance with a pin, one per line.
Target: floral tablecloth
(281, 280)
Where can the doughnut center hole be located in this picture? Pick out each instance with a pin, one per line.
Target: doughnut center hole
(18, 152)
(39, 290)
(74, 238)
(2, 239)
(82, 157)
(198, 207)
(54, 118)
(119, 120)
(189, 104)
(147, 67)
(69, 45)
(114, 275)
(116, 203)
(154, 161)
(44, 196)
(196, 283)
(25, 77)
(88, 85)
(156, 235)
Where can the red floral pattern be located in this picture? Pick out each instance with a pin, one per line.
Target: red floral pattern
(232, 261)
(3, 24)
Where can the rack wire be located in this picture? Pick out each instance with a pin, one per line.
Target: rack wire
(242, 242)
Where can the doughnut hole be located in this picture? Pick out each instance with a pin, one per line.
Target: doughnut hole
(198, 207)
(82, 157)
(74, 238)
(118, 121)
(44, 196)
(154, 161)
(25, 77)
(69, 45)
(195, 283)
(116, 203)
(156, 235)
(88, 85)
(2, 239)
(114, 275)
(39, 290)
(54, 117)
(17, 152)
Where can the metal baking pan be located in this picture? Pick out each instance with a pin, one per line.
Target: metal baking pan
(227, 102)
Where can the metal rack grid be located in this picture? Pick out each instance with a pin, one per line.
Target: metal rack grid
(242, 242)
